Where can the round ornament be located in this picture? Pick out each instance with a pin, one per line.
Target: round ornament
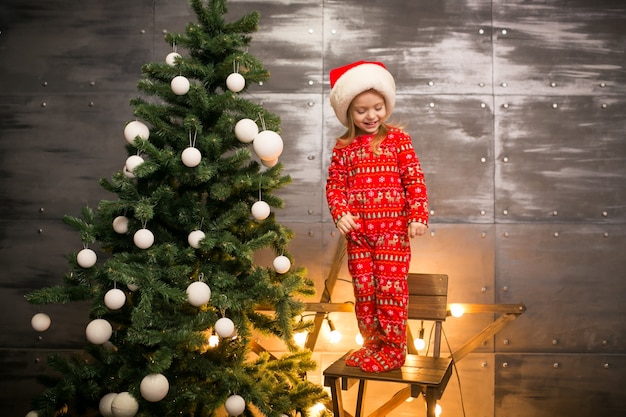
(235, 405)
(98, 331)
(260, 210)
(224, 327)
(134, 129)
(180, 85)
(120, 224)
(198, 293)
(133, 162)
(124, 405)
(32, 413)
(270, 164)
(246, 130)
(127, 173)
(170, 59)
(114, 299)
(235, 82)
(105, 404)
(143, 238)
(86, 258)
(195, 237)
(281, 264)
(40, 322)
(154, 387)
(268, 145)
(191, 157)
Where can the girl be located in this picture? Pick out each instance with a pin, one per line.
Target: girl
(377, 198)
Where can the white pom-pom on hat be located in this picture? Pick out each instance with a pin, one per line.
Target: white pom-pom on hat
(349, 81)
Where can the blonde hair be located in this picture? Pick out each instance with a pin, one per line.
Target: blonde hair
(350, 134)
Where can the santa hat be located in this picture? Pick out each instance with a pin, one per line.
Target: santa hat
(349, 81)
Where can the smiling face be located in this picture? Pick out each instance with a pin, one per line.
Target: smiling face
(368, 112)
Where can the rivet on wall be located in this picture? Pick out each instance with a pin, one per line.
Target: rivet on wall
(604, 106)
(506, 234)
(481, 31)
(41, 209)
(483, 159)
(505, 364)
(311, 82)
(483, 289)
(483, 212)
(605, 214)
(483, 235)
(555, 234)
(505, 289)
(555, 341)
(40, 231)
(505, 105)
(483, 105)
(504, 84)
(505, 212)
(311, 233)
(311, 103)
(311, 31)
(506, 342)
(481, 84)
(552, 84)
(603, 84)
(142, 31)
(91, 104)
(432, 233)
(431, 83)
(504, 32)
(505, 159)
(44, 104)
(333, 31)
(606, 366)
(483, 365)
(555, 213)
(44, 84)
(555, 106)
(606, 234)
(555, 365)
(92, 83)
(431, 104)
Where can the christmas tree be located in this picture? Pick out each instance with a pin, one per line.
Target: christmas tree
(176, 294)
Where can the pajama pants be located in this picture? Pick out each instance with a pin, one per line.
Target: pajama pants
(379, 264)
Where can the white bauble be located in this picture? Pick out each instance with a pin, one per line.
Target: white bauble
(40, 322)
(127, 173)
(120, 224)
(224, 327)
(105, 404)
(32, 413)
(235, 405)
(260, 210)
(98, 331)
(154, 387)
(133, 162)
(143, 238)
(246, 130)
(235, 82)
(114, 299)
(271, 163)
(86, 258)
(191, 157)
(198, 293)
(124, 405)
(170, 59)
(268, 145)
(180, 85)
(281, 264)
(195, 237)
(134, 129)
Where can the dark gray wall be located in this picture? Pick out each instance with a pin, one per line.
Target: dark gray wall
(517, 110)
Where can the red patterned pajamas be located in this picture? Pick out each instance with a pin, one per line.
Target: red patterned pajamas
(386, 191)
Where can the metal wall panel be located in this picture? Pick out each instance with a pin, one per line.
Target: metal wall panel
(571, 277)
(56, 47)
(559, 385)
(560, 159)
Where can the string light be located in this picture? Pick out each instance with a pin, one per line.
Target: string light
(214, 340)
(335, 335)
(359, 339)
(419, 341)
(456, 310)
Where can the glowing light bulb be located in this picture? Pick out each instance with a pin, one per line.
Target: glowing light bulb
(359, 339)
(437, 410)
(214, 340)
(456, 310)
(419, 344)
(335, 335)
(300, 338)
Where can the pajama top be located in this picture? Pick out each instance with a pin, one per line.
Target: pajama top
(385, 190)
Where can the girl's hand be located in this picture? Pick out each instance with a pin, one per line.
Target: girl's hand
(417, 229)
(347, 224)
